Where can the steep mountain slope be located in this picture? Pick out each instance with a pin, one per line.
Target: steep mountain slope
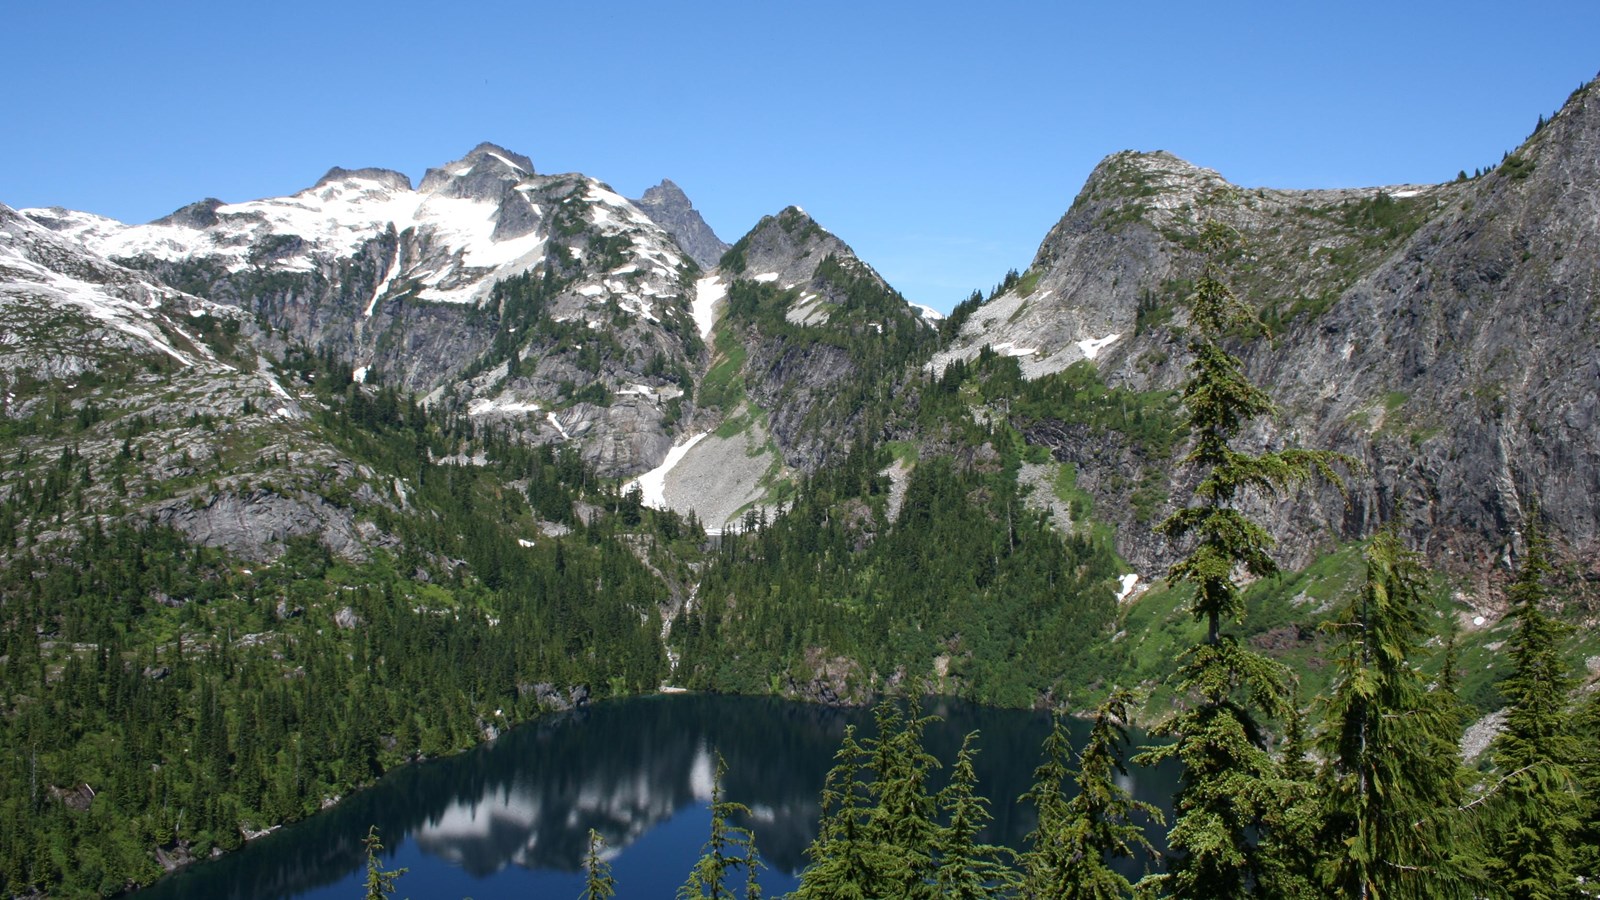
(159, 405)
(419, 287)
(1444, 335)
(236, 584)
(809, 345)
(668, 206)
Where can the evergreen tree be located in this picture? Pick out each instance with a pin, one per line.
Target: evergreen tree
(729, 848)
(840, 857)
(597, 881)
(1227, 788)
(966, 868)
(1535, 804)
(380, 881)
(1392, 780)
(1587, 863)
(880, 837)
(1069, 850)
(1289, 851)
(902, 821)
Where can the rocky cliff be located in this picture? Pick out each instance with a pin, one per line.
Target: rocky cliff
(122, 397)
(1443, 335)
(668, 206)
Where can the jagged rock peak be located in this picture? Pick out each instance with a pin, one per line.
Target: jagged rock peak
(486, 169)
(509, 157)
(197, 215)
(668, 206)
(790, 244)
(386, 177)
(665, 194)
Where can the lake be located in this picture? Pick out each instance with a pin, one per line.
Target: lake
(511, 818)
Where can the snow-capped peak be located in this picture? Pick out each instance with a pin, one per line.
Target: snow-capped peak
(44, 267)
(484, 173)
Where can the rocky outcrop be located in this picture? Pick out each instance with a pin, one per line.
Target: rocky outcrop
(254, 526)
(841, 324)
(668, 206)
(485, 173)
(387, 177)
(784, 249)
(201, 214)
(1442, 335)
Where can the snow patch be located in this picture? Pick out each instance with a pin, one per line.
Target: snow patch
(388, 276)
(1128, 582)
(551, 417)
(360, 375)
(653, 484)
(508, 162)
(272, 380)
(333, 221)
(1091, 347)
(1010, 349)
(766, 277)
(707, 292)
(483, 406)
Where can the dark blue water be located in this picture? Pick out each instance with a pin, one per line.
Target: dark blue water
(511, 819)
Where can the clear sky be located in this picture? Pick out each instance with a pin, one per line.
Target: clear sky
(940, 139)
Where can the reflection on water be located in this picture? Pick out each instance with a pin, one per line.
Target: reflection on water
(512, 819)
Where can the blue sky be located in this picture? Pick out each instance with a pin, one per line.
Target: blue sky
(941, 140)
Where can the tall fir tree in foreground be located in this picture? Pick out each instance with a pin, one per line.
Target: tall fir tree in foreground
(1588, 766)
(1392, 782)
(1535, 806)
(729, 849)
(966, 868)
(1070, 850)
(598, 883)
(1228, 785)
(1289, 850)
(380, 881)
(904, 817)
(840, 859)
(878, 835)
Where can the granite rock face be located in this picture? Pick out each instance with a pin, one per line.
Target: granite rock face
(404, 283)
(1445, 336)
(792, 372)
(668, 206)
(188, 388)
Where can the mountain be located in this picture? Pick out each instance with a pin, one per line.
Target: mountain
(275, 468)
(444, 289)
(166, 404)
(668, 206)
(810, 341)
(1443, 335)
(197, 513)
